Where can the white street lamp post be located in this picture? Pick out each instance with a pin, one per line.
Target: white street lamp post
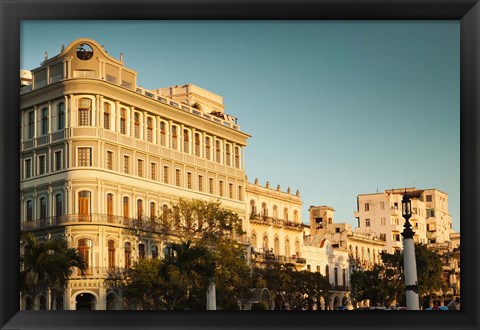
(409, 262)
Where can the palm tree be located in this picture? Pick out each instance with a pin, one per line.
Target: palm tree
(47, 265)
(183, 266)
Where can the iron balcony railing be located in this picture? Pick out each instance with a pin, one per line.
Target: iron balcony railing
(267, 220)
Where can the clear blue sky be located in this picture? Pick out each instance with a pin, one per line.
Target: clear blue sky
(335, 108)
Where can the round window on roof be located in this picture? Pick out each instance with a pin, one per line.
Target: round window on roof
(84, 52)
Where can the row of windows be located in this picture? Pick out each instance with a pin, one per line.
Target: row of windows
(264, 211)
(335, 274)
(276, 245)
(169, 135)
(41, 164)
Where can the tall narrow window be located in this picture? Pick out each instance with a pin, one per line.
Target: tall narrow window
(85, 249)
(28, 168)
(227, 155)
(327, 273)
(126, 209)
(174, 137)
(61, 115)
(295, 216)
(149, 129)
(186, 141)
(44, 121)
(335, 274)
(285, 214)
(230, 190)
(275, 212)
(29, 210)
(106, 116)
(111, 254)
(207, 147)
(153, 171)
(31, 124)
(237, 157)
(153, 211)
(287, 248)
(126, 163)
(58, 160)
(123, 121)
(84, 109)
(189, 180)
(58, 206)
(140, 167)
(139, 209)
(84, 157)
(110, 207)
(165, 174)
(141, 251)
(210, 185)
(84, 205)
(127, 251)
(240, 194)
(110, 160)
(220, 188)
(200, 183)
(177, 177)
(41, 165)
(162, 134)
(197, 144)
(154, 252)
(217, 151)
(136, 127)
(43, 209)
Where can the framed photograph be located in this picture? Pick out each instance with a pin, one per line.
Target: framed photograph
(261, 108)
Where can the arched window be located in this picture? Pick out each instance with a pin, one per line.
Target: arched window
(126, 210)
(61, 115)
(164, 212)
(31, 124)
(149, 129)
(265, 243)
(58, 206)
(276, 246)
(287, 248)
(162, 134)
(264, 210)
(237, 157)
(253, 208)
(44, 121)
(174, 137)
(197, 145)
(275, 212)
(111, 254)
(106, 115)
(297, 248)
(186, 142)
(43, 209)
(123, 121)
(295, 216)
(207, 148)
(29, 211)
(84, 110)
(254, 239)
(110, 207)
(141, 251)
(139, 209)
(153, 211)
(136, 123)
(127, 252)
(85, 249)
(84, 205)
(154, 252)
(285, 214)
(228, 154)
(217, 151)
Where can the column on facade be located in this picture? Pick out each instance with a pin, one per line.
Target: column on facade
(49, 116)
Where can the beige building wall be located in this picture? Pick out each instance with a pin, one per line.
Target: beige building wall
(101, 156)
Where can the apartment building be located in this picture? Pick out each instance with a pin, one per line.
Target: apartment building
(102, 157)
(381, 213)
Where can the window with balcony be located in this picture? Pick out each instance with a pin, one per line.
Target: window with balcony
(61, 115)
(58, 205)
(31, 124)
(84, 205)
(43, 209)
(84, 112)
(285, 214)
(109, 207)
(44, 121)
(84, 248)
(126, 208)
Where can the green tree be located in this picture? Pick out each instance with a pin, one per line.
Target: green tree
(48, 265)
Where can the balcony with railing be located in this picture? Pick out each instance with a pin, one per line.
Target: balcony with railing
(271, 257)
(271, 221)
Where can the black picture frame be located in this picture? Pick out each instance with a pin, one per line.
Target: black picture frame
(12, 12)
